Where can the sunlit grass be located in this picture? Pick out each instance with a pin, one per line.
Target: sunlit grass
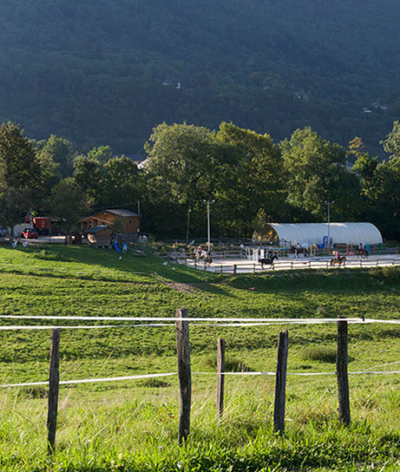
(132, 425)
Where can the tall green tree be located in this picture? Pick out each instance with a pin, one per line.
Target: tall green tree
(179, 171)
(120, 182)
(384, 197)
(88, 176)
(364, 168)
(384, 188)
(256, 178)
(61, 152)
(364, 165)
(180, 159)
(21, 183)
(50, 171)
(392, 143)
(316, 172)
(101, 154)
(68, 202)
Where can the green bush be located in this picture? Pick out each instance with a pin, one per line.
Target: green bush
(321, 354)
(231, 364)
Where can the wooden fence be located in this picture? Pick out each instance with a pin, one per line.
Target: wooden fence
(185, 379)
(185, 382)
(184, 371)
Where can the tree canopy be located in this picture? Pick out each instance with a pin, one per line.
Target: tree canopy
(316, 173)
(21, 185)
(250, 179)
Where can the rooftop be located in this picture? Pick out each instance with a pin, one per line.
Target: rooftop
(122, 212)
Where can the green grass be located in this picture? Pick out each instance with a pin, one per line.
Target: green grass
(132, 425)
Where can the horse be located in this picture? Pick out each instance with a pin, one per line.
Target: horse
(297, 250)
(337, 261)
(207, 260)
(204, 256)
(362, 253)
(267, 260)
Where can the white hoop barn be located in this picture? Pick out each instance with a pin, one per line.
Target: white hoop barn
(308, 234)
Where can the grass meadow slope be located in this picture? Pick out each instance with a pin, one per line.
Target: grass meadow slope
(132, 425)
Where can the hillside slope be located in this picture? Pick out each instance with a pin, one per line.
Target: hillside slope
(107, 71)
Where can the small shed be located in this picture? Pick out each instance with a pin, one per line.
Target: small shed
(306, 234)
(101, 236)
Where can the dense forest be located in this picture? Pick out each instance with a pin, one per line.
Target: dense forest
(106, 72)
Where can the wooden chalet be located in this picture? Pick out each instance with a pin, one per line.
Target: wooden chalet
(121, 221)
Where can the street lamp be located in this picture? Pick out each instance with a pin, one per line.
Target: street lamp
(208, 202)
(328, 204)
(188, 225)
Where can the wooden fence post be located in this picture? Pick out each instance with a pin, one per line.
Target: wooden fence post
(184, 373)
(220, 376)
(54, 379)
(341, 372)
(280, 386)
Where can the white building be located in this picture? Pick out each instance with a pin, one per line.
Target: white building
(307, 234)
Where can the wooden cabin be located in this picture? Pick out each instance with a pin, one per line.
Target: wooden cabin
(122, 221)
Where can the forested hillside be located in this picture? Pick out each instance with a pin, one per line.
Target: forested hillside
(108, 71)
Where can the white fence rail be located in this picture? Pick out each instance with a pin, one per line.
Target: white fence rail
(253, 267)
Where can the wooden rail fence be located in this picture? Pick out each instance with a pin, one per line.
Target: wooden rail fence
(185, 379)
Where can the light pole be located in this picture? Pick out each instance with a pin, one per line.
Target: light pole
(208, 202)
(328, 204)
(188, 225)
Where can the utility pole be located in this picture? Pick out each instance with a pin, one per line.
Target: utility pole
(328, 204)
(208, 202)
(188, 225)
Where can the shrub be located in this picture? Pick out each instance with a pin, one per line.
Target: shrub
(231, 365)
(322, 354)
(155, 383)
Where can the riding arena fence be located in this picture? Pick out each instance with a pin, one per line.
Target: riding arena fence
(285, 264)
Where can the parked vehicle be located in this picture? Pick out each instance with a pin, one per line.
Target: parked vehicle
(3, 232)
(42, 224)
(29, 233)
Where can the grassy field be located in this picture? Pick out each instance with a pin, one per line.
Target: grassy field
(132, 425)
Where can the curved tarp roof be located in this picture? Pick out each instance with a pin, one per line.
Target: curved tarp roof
(314, 233)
